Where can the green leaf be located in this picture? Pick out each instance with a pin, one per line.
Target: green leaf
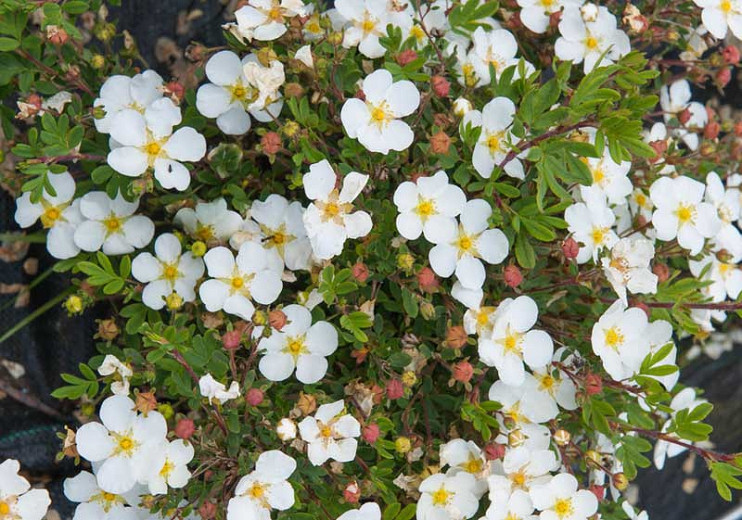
(8, 44)
(524, 253)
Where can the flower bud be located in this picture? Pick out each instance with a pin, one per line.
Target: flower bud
(494, 451)
(463, 371)
(371, 433)
(352, 493)
(427, 280)
(593, 456)
(394, 389)
(174, 301)
(731, 55)
(661, 271)
(593, 384)
(360, 271)
(598, 491)
(462, 106)
(56, 35)
(145, 402)
(723, 77)
(107, 330)
(184, 429)
(562, 437)
(441, 86)
(207, 511)
(97, 61)
(440, 143)
(405, 261)
(409, 379)
(254, 396)
(516, 438)
(166, 410)
(513, 276)
(307, 403)
(406, 56)
(231, 339)
(271, 143)
(286, 429)
(456, 337)
(293, 90)
(198, 249)
(684, 116)
(427, 310)
(403, 445)
(290, 128)
(260, 318)
(570, 248)
(620, 481)
(277, 319)
(74, 304)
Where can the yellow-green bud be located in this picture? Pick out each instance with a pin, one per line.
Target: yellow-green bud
(290, 128)
(620, 481)
(260, 318)
(198, 248)
(97, 61)
(405, 261)
(74, 304)
(409, 378)
(403, 445)
(166, 410)
(174, 301)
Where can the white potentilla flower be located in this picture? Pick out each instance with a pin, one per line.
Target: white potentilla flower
(111, 225)
(282, 230)
(367, 21)
(631, 512)
(123, 92)
(304, 55)
(521, 404)
(610, 177)
(375, 121)
(265, 489)
(213, 390)
(462, 106)
(521, 468)
(641, 204)
(495, 48)
(120, 444)
(236, 282)
(675, 99)
(720, 15)
(515, 506)
(265, 20)
(628, 267)
(512, 342)
(17, 500)
(96, 504)
(461, 455)
(329, 220)
(591, 223)
(447, 497)
(140, 145)
(727, 204)
(58, 213)
(298, 345)
(686, 399)
(619, 339)
(238, 87)
(210, 222)
(113, 366)
(680, 212)
(554, 387)
(696, 44)
(471, 298)
(168, 464)
(495, 140)
(286, 429)
(368, 511)
(560, 499)
(479, 320)
(726, 278)
(428, 206)
(587, 40)
(330, 434)
(535, 14)
(167, 272)
(472, 242)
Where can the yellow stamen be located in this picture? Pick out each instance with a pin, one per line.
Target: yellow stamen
(50, 216)
(614, 337)
(153, 148)
(591, 43)
(295, 346)
(275, 14)
(518, 478)
(686, 214)
(4, 508)
(465, 243)
(563, 507)
(473, 465)
(425, 208)
(599, 234)
(204, 233)
(170, 272)
(167, 468)
(368, 25)
(725, 6)
(325, 431)
(237, 282)
(113, 224)
(441, 497)
(494, 142)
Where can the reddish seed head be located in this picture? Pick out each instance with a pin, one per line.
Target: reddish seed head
(352, 493)
(711, 130)
(56, 35)
(184, 429)
(684, 116)
(738, 128)
(463, 371)
(723, 77)
(277, 319)
(271, 143)
(598, 491)
(494, 451)
(456, 337)
(175, 90)
(360, 272)
(513, 276)
(407, 56)
(440, 143)
(394, 389)
(231, 340)
(207, 510)
(441, 86)
(731, 55)
(593, 384)
(662, 272)
(427, 280)
(254, 396)
(570, 248)
(370, 433)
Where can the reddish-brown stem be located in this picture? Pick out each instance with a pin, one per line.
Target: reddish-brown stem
(525, 145)
(706, 454)
(722, 306)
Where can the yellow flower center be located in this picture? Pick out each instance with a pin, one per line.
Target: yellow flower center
(279, 238)
(379, 114)
(113, 224)
(512, 341)
(614, 337)
(237, 282)
(204, 233)
(591, 43)
(153, 148)
(725, 6)
(546, 382)
(167, 468)
(686, 214)
(425, 208)
(417, 32)
(441, 497)
(494, 142)
(599, 234)
(598, 175)
(332, 210)
(108, 497)
(295, 346)
(641, 199)
(170, 272)
(50, 216)
(368, 25)
(275, 14)
(483, 318)
(473, 465)
(4, 508)
(518, 478)
(465, 243)
(547, 3)
(257, 490)
(325, 431)
(563, 507)
(124, 444)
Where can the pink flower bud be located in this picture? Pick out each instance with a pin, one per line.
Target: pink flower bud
(463, 371)
(184, 429)
(360, 272)
(370, 433)
(593, 384)
(513, 276)
(427, 280)
(731, 55)
(352, 493)
(394, 389)
(231, 340)
(254, 396)
(570, 248)
(494, 451)
(441, 86)
(723, 77)
(406, 56)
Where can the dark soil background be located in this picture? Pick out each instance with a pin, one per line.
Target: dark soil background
(55, 343)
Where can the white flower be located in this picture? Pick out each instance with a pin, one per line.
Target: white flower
(726, 278)
(111, 225)
(521, 468)
(535, 14)
(727, 204)
(684, 400)
(97, 504)
(515, 506)
(677, 98)
(522, 404)
(495, 48)
(330, 434)
(168, 464)
(141, 142)
(298, 345)
(264, 489)
(589, 40)
(462, 106)
(329, 219)
(367, 21)
(463, 455)
(368, 511)
(447, 497)
(659, 334)
(610, 177)
(619, 338)
(286, 429)
(376, 122)
(210, 221)
(238, 87)
(265, 20)
(560, 499)
(121, 443)
(554, 388)
(122, 92)
(58, 213)
(428, 206)
(680, 212)
(495, 141)
(471, 243)
(628, 267)
(304, 55)
(512, 342)
(213, 390)
(718, 15)
(479, 320)
(236, 282)
(169, 272)
(110, 366)
(631, 512)
(590, 222)
(282, 231)
(17, 500)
